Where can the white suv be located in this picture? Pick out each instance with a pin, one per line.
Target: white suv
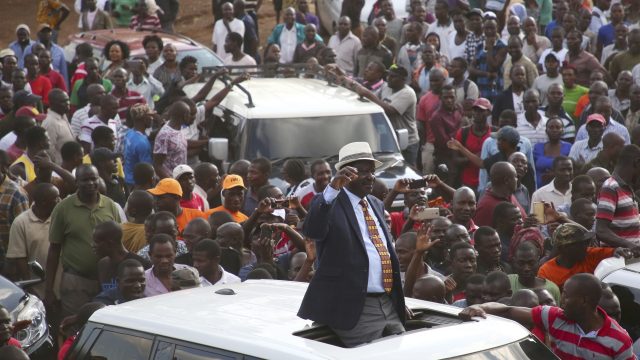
(280, 118)
(257, 320)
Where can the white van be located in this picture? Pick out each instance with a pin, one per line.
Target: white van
(257, 320)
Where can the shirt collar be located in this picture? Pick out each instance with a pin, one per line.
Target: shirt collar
(77, 202)
(34, 218)
(353, 198)
(552, 188)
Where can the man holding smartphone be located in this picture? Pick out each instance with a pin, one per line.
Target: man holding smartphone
(357, 290)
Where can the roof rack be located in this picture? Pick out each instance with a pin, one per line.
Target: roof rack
(273, 70)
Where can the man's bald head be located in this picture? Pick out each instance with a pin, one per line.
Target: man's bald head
(586, 286)
(462, 192)
(199, 226)
(500, 171)
(430, 288)
(140, 204)
(230, 235)
(524, 298)
(612, 139)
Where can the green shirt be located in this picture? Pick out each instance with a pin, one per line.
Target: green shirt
(549, 285)
(571, 97)
(72, 224)
(124, 16)
(75, 98)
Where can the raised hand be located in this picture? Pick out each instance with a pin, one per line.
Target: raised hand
(402, 186)
(343, 177)
(423, 240)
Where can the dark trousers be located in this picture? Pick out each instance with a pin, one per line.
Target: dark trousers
(378, 319)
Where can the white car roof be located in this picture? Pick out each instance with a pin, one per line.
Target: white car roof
(619, 271)
(290, 97)
(260, 319)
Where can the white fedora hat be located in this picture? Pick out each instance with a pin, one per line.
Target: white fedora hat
(355, 151)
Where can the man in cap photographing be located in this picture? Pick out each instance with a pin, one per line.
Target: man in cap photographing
(574, 254)
(355, 255)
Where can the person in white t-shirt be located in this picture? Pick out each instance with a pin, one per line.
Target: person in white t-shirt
(206, 258)
(235, 55)
(223, 27)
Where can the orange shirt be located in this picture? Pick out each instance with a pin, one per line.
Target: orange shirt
(186, 216)
(237, 216)
(582, 104)
(558, 274)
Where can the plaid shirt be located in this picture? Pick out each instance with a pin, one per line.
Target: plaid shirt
(13, 201)
(473, 41)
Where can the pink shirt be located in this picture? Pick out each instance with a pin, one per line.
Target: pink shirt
(153, 285)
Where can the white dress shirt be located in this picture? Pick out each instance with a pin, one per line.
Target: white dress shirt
(374, 283)
(226, 278)
(288, 43)
(550, 194)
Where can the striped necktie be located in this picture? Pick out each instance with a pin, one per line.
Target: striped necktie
(374, 235)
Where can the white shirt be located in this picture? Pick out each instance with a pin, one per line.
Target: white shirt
(535, 135)
(549, 193)
(374, 282)
(598, 19)
(226, 278)
(346, 50)
(456, 50)
(155, 65)
(203, 194)
(92, 123)
(8, 140)
(220, 34)
(288, 42)
(78, 119)
(444, 32)
(59, 131)
(581, 152)
(149, 87)
(246, 60)
(518, 103)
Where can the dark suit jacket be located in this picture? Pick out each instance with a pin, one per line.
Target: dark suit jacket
(337, 292)
(503, 102)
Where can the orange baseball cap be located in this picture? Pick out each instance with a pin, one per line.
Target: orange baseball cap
(167, 186)
(232, 181)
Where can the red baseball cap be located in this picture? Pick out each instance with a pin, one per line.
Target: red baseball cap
(30, 111)
(596, 117)
(483, 104)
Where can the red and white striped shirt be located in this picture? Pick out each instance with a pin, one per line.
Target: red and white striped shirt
(616, 203)
(570, 342)
(150, 22)
(127, 101)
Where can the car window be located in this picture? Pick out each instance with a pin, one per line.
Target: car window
(186, 353)
(529, 348)
(629, 298)
(169, 351)
(117, 346)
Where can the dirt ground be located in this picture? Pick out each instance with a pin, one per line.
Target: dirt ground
(194, 20)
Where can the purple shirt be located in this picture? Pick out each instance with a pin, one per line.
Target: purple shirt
(173, 144)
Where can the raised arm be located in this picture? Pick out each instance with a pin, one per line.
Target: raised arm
(520, 314)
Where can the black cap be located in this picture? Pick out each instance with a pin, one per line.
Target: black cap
(23, 97)
(102, 154)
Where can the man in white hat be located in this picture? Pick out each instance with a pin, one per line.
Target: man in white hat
(357, 290)
(23, 40)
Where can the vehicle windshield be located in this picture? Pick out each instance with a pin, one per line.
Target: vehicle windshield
(316, 137)
(528, 348)
(205, 57)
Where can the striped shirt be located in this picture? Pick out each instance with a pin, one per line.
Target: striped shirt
(92, 123)
(570, 342)
(150, 22)
(617, 203)
(127, 101)
(536, 134)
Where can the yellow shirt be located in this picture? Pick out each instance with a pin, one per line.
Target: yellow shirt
(29, 168)
(87, 160)
(49, 12)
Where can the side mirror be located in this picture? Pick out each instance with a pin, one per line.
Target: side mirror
(218, 149)
(36, 269)
(403, 138)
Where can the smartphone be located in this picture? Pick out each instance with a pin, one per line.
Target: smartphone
(538, 211)
(417, 184)
(428, 214)
(282, 204)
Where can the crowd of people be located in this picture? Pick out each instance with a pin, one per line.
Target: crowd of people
(533, 107)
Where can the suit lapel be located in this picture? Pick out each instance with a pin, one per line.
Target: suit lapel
(351, 215)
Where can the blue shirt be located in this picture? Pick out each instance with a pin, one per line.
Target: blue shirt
(490, 147)
(613, 126)
(544, 163)
(374, 283)
(137, 149)
(606, 35)
(20, 53)
(489, 89)
(549, 29)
